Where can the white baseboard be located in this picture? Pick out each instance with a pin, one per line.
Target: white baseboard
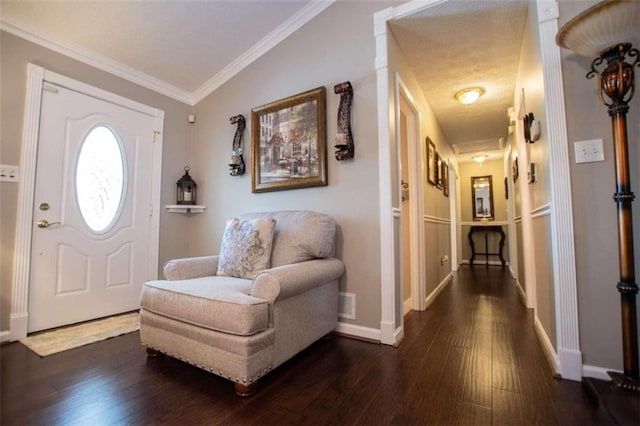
(18, 326)
(597, 372)
(407, 306)
(483, 262)
(547, 347)
(523, 295)
(4, 336)
(399, 335)
(359, 331)
(432, 297)
(570, 364)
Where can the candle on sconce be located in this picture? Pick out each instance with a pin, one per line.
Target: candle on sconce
(235, 160)
(341, 139)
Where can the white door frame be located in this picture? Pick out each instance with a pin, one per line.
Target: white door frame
(455, 215)
(416, 193)
(36, 77)
(565, 286)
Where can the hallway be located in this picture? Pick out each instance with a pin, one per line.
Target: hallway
(472, 358)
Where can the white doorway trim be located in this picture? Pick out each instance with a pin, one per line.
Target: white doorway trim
(456, 216)
(36, 76)
(565, 287)
(416, 193)
(564, 261)
(388, 295)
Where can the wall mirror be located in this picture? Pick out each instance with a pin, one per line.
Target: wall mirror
(482, 192)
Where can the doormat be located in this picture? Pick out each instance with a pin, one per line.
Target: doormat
(65, 338)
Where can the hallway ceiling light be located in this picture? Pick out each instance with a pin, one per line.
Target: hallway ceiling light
(479, 158)
(469, 95)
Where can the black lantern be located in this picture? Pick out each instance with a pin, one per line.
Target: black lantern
(186, 189)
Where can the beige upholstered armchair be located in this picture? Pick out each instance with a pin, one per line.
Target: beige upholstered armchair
(271, 292)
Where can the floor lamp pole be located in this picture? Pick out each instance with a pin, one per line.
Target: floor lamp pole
(617, 83)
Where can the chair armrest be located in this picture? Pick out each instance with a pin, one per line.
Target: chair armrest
(290, 280)
(192, 267)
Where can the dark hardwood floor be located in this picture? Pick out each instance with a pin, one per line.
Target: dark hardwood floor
(472, 358)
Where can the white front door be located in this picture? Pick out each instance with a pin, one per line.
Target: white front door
(91, 234)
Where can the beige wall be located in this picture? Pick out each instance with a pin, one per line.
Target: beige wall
(437, 234)
(545, 297)
(530, 89)
(16, 53)
(313, 56)
(594, 212)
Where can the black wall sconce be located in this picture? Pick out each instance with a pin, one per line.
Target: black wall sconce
(186, 189)
(531, 128)
(344, 139)
(236, 164)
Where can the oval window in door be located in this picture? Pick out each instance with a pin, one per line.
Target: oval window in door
(100, 179)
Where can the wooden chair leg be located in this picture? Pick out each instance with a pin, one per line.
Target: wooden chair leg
(244, 390)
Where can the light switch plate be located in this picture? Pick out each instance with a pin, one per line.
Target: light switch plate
(589, 151)
(9, 173)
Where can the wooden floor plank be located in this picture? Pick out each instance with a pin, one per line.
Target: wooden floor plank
(472, 359)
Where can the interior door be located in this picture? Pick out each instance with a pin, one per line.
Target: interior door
(92, 211)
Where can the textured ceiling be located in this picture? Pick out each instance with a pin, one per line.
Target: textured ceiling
(462, 43)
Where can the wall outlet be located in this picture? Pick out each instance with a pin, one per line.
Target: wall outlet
(589, 151)
(9, 173)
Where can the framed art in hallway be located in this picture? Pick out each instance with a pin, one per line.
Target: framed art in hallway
(288, 143)
(445, 178)
(438, 166)
(431, 162)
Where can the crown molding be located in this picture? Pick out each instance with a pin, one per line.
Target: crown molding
(271, 40)
(103, 63)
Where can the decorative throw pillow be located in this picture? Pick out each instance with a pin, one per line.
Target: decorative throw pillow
(246, 247)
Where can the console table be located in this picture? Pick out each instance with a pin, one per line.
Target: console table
(486, 229)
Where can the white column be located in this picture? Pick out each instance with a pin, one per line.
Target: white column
(564, 264)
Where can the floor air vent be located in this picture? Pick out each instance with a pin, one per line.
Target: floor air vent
(347, 305)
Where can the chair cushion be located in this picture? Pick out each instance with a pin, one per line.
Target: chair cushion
(300, 235)
(216, 303)
(246, 247)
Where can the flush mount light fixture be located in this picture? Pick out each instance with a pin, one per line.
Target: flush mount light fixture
(469, 95)
(479, 158)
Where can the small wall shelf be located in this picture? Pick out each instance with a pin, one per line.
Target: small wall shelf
(185, 208)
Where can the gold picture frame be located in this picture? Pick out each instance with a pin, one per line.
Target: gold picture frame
(289, 143)
(438, 167)
(445, 178)
(432, 172)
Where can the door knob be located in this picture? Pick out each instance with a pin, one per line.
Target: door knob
(43, 223)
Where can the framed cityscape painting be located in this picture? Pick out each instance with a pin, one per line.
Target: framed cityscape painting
(289, 143)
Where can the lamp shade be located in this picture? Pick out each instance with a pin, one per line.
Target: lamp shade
(601, 27)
